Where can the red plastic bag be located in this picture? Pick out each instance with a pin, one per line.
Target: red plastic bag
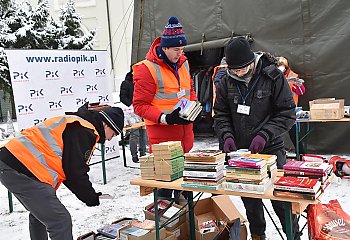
(328, 222)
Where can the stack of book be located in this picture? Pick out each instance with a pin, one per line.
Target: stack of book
(189, 109)
(297, 187)
(168, 160)
(315, 170)
(247, 174)
(270, 163)
(204, 169)
(147, 166)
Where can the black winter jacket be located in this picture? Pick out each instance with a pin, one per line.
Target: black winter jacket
(272, 109)
(78, 143)
(127, 90)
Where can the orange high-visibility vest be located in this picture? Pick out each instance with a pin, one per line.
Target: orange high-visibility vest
(40, 148)
(167, 86)
(291, 74)
(214, 87)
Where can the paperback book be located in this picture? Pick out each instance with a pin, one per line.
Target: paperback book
(246, 187)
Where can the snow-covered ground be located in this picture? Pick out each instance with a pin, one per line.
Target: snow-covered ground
(126, 201)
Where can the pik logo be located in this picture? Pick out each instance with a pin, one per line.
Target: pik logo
(91, 88)
(36, 93)
(52, 75)
(103, 98)
(55, 105)
(37, 121)
(20, 76)
(111, 149)
(25, 109)
(78, 73)
(66, 91)
(80, 101)
(100, 72)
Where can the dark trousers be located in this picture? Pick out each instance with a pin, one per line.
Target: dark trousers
(46, 213)
(138, 137)
(292, 135)
(255, 214)
(255, 210)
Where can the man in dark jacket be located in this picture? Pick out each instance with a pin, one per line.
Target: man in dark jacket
(137, 136)
(253, 109)
(35, 163)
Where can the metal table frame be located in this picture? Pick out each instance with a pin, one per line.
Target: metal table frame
(148, 186)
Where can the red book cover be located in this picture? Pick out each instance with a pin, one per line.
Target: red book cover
(300, 182)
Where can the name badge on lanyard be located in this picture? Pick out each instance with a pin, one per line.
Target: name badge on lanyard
(181, 93)
(243, 109)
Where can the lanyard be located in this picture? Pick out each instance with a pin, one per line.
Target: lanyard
(245, 97)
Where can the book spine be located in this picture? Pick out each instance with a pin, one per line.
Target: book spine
(201, 174)
(296, 189)
(297, 168)
(303, 173)
(199, 186)
(242, 187)
(294, 195)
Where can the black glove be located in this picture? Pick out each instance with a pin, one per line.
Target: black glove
(174, 118)
(94, 202)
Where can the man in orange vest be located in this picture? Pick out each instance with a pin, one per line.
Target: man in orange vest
(160, 81)
(35, 163)
(297, 88)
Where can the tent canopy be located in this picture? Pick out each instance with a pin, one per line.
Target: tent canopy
(313, 35)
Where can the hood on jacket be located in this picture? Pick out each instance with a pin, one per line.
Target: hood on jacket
(153, 56)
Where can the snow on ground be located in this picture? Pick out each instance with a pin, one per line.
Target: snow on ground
(126, 201)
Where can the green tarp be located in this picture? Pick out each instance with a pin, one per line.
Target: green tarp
(314, 35)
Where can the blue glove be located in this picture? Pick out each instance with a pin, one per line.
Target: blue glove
(229, 145)
(257, 144)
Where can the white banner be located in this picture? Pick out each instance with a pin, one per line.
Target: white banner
(48, 83)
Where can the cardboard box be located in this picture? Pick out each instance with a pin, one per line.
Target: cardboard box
(132, 233)
(327, 108)
(87, 236)
(220, 208)
(169, 236)
(181, 232)
(172, 225)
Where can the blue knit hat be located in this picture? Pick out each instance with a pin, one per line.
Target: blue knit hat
(173, 34)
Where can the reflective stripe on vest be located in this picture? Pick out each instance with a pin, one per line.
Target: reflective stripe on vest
(40, 148)
(167, 84)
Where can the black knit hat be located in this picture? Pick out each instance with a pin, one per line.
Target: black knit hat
(238, 53)
(114, 118)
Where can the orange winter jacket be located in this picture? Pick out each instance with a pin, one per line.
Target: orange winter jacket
(40, 148)
(167, 86)
(291, 74)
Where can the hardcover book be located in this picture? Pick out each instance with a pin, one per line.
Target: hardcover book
(189, 109)
(297, 195)
(204, 155)
(295, 183)
(319, 167)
